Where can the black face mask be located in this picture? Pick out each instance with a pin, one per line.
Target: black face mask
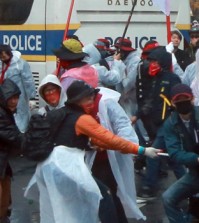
(184, 107)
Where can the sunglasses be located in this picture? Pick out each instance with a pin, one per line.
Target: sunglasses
(194, 35)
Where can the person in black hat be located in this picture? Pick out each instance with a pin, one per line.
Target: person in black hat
(181, 135)
(70, 55)
(194, 38)
(79, 128)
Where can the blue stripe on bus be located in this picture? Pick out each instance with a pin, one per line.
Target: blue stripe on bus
(33, 42)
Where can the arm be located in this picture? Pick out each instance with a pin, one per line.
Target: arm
(88, 126)
(114, 75)
(9, 133)
(131, 74)
(120, 122)
(28, 81)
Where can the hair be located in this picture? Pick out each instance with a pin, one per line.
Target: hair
(5, 48)
(176, 32)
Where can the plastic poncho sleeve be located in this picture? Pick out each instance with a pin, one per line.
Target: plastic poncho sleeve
(28, 81)
(101, 137)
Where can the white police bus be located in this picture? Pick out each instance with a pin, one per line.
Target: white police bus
(35, 27)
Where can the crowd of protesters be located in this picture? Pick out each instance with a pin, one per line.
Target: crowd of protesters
(107, 107)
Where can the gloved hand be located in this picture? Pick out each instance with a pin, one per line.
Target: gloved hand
(170, 47)
(152, 152)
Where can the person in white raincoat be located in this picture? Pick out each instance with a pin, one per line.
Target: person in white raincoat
(51, 86)
(117, 170)
(67, 189)
(127, 87)
(195, 82)
(12, 66)
(110, 69)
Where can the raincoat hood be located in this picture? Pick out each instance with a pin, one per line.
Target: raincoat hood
(162, 57)
(7, 90)
(94, 55)
(16, 56)
(52, 79)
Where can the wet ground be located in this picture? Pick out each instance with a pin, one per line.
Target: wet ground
(154, 210)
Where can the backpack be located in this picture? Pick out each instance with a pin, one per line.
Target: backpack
(39, 137)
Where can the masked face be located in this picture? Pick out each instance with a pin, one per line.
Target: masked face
(87, 104)
(184, 107)
(154, 68)
(52, 95)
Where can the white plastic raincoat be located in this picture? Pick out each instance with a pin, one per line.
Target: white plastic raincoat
(113, 117)
(127, 86)
(67, 190)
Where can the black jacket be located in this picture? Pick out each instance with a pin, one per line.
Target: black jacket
(10, 136)
(183, 58)
(181, 143)
(151, 110)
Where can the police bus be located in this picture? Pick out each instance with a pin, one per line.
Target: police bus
(35, 27)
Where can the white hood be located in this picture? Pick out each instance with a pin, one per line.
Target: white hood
(16, 56)
(51, 78)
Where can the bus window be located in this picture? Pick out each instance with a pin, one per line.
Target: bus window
(14, 12)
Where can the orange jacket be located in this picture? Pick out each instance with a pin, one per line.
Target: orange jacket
(101, 137)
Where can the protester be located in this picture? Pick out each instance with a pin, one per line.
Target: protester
(195, 82)
(73, 136)
(11, 140)
(181, 55)
(52, 93)
(181, 138)
(110, 114)
(154, 110)
(106, 102)
(143, 87)
(194, 37)
(130, 57)
(18, 70)
(70, 55)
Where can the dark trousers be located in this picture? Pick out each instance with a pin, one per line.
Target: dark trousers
(107, 210)
(102, 170)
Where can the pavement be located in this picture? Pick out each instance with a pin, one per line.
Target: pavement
(153, 209)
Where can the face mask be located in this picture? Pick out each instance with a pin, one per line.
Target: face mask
(183, 107)
(88, 108)
(53, 98)
(154, 68)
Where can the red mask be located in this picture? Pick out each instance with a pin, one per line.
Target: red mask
(53, 97)
(154, 68)
(88, 108)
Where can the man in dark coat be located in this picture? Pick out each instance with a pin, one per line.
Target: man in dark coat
(181, 55)
(154, 110)
(181, 131)
(10, 141)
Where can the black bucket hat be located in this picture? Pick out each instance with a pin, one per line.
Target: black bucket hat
(79, 90)
(71, 49)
